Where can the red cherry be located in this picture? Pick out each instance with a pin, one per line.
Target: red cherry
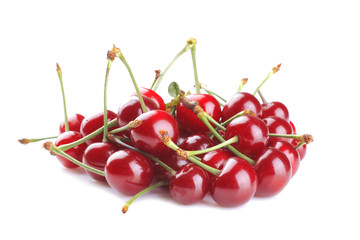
(153, 96)
(172, 161)
(197, 142)
(189, 121)
(277, 109)
(279, 126)
(182, 135)
(216, 159)
(252, 133)
(76, 152)
(96, 155)
(235, 184)
(92, 123)
(74, 123)
(238, 102)
(131, 109)
(273, 170)
(291, 153)
(128, 171)
(147, 138)
(189, 185)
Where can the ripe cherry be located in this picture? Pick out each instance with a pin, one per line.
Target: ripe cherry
(277, 109)
(238, 102)
(189, 185)
(74, 123)
(279, 126)
(196, 142)
(189, 121)
(128, 171)
(252, 133)
(92, 123)
(216, 159)
(147, 138)
(153, 96)
(171, 159)
(273, 170)
(96, 155)
(291, 153)
(235, 184)
(75, 152)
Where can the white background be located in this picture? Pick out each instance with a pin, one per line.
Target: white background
(316, 41)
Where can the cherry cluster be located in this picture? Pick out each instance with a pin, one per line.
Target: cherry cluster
(197, 144)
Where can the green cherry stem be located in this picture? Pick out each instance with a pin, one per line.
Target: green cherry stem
(31, 140)
(184, 154)
(221, 145)
(57, 151)
(157, 81)
(262, 97)
(208, 91)
(132, 124)
(59, 72)
(242, 113)
(118, 140)
(243, 82)
(304, 138)
(192, 41)
(110, 58)
(213, 121)
(126, 206)
(65, 147)
(273, 71)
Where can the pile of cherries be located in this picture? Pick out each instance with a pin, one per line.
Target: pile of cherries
(195, 145)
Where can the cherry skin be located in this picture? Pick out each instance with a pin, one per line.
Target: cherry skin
(197, 142)
(131, 109)
(277, 109)
(189, 121)
(189, 185)
(279, 126)
(96, 155)
(171, 159)
(235, 184)
(252, 133)
(216, 159)
(182, 135)
(76, 152)
(92, 123)
(291, 153)
(273, 169)
(240, 101)
(153, 96)
(128, 172)
(74, 123)
(147, 138)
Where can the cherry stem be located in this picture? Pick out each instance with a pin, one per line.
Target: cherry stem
(158, 80)
(213, 121)
(119, 54)
(132, 124)
(304, 138)
(202, 86)
(54, 150)
(31, 140)
(118, 140)
(274, 70)
(262, 97)
(183, 154)
(242, 113)
(243, 82)
(192, 41)
(142, 192)
(65, 147)
(220, 145)
(59, 72)
(109, 62)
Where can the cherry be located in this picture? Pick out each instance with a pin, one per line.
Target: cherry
(131, 109)
(74, 123)
(153, 96)
(182, 135)
(171, 159)
(197, 142)
(128, 171)
(92, 123)
(235, 184)
(238, 102)
(216, 159)
(277, 109)
(75, 152)
(252, 133)
(279, 126)
(273, 169)
(291, 153)
(96, 155)
(189, 121)
(147, 138)
(190, 184)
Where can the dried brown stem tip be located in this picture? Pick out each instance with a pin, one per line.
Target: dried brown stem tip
(111, 55)
(135, 123)
(24, 141)
(165, 136)
(276, 69)
(189, 103)
(249, 113)
(244, 81)
(157, 74)
(307, 138)
(49, 146)
(191, 41)
(125, 209)
(181, 154)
